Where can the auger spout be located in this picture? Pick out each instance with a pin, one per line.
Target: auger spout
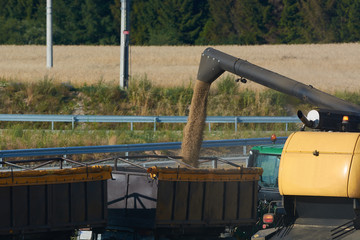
(213, 63)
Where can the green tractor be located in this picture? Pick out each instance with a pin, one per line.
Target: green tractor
(269, 199)
(268, 158)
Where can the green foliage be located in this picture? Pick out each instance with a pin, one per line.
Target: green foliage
(291, 22)
(139, 18)
(41, 97)
(174, 22)
(346, 20)
(317, 15)
(219, 27)
(101, 98)
(146, 99)
(227, 86)
(273, 102)
(237, 22)
(352, 97)
(230, 100)
(178, 22)
(142, 97)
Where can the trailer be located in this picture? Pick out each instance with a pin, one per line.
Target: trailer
(182, 202)
(52, 204)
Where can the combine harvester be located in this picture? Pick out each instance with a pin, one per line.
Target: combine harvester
(319, 172)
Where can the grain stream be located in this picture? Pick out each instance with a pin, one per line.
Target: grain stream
(193, 131)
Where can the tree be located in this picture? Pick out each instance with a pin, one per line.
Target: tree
(97, 20)
(174, 21)
(66, 18)
(20, 22)
(93, 24)
(317, 17)
(249, 23)
(139, 25)
(239, 22)
(219, 28)
(347, 21)
(354, 22)
(291, 23)
(177, 22)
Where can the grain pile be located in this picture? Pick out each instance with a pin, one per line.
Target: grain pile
(193, 131)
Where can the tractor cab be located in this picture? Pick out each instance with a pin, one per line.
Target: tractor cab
(268, 158)
(269, 199)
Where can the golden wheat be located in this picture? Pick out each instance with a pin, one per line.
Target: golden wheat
(326, 66)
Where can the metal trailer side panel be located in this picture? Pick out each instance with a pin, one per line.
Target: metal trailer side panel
(96, 210)
(205, 204)
(131, 200)
(6, 209)
(136, 201)
(52, 207)
(78, 204)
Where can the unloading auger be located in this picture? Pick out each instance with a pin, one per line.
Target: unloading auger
(331, 112)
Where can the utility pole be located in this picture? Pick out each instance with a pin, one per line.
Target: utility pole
(49, 44)
(124, 43)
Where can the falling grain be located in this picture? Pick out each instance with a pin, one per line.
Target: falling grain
(193, 131)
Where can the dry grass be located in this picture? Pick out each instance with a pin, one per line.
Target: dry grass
(327, 66)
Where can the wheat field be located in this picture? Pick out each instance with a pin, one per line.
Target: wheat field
(328, 67)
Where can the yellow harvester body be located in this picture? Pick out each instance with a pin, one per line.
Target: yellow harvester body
(321, 164)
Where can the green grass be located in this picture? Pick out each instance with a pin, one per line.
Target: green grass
(141, 98)
(18, 138)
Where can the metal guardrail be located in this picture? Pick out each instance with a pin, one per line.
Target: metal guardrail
(143, 119)
(133, 147)
(118, 162)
